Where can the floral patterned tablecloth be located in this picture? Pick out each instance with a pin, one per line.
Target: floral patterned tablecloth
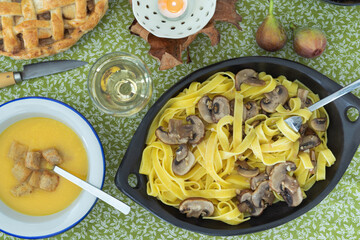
(337, 216)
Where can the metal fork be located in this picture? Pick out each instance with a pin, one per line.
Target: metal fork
(296, 121)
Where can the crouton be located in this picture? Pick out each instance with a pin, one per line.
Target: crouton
(20, 172)
(46, 165)
(33, 160)
(49, 181)
(34, 179)
(22, 189)
(17, 151)
(52, 156)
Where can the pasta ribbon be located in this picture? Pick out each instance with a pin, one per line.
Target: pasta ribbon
(262, 140)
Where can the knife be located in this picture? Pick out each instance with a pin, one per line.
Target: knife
(38, 70)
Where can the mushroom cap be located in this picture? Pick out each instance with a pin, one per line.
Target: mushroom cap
(291, 191)
(318, 124)
(308, 142)
(205, 106)
(246, 205)
(303, 129)
(198, 129)
(244, 198)
(303, 95)
(279, 173)
(255, 181)
(196, 207)
(244, 195)
(244, 170)
(287, 186)
(262, 195)
(248, 76)
(169, 138)
(180, 133)
(221, 108)
(232, 106)
(251, 109)
(268, 169)
(183, 166)
(274, 98)
(181, 152)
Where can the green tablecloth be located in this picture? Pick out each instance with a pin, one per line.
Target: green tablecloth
(337, 216)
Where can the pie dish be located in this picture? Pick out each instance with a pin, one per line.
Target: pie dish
(39, 28)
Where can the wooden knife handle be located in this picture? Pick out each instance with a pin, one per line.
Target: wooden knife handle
(7, 79)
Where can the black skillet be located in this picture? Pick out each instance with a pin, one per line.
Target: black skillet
(344, 2)
(342, 133)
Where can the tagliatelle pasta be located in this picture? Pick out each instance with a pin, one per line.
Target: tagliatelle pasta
(262, 140)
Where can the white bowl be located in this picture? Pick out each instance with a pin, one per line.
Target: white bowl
(197, 15)
(25, 226)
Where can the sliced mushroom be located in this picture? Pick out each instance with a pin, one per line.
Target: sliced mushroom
(213, 110)
(318, 124)
(274, 98)
(279, 173)
(251, 109)
(181, 152)
(302, 129)
(262, 196)
(269, 197)
(244, 197)
(302, 94)
(246, 205)
(305, 130)
(205, 108)
(196, 207)
(183, 166)
(198, 129)
(244, 170)
(180, 133)
(291, 191)
(221, 108)
(255, 181)
(286, 106)
(254, 124)
(232, 106)
(268, 169)
(287, 186)
(248, 76)
(308, 142)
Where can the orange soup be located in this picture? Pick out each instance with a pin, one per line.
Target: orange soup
(39, 134)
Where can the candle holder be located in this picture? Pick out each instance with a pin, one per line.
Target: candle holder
(197, 14)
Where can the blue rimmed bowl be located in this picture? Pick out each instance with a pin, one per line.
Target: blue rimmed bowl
(25, 226)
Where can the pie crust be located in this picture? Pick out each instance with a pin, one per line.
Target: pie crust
(39, 28)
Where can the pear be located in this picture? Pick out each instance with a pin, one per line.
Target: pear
(309, 42)
(271, 36)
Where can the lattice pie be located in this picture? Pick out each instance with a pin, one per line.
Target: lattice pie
(39, 28)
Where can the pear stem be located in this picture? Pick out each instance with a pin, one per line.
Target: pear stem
(271, 7)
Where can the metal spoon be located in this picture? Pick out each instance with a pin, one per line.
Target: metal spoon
(296, 121)
(122, 207)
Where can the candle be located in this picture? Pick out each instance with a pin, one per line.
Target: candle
(172, 8)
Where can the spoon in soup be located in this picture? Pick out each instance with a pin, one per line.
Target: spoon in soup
(122, 207)
(296, 121)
